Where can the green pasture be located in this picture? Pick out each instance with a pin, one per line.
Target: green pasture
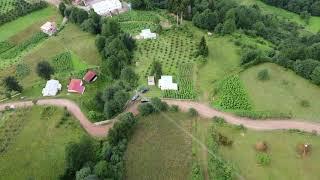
(159, 149)
(284, 92)
(37, 17)
(37, 150)
(313, 26)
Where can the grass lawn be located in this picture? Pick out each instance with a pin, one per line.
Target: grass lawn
(313, 26)
(12, 28)
(223, 60)
(285, 163)
(283, 92)
(159, 149)
(37, 151)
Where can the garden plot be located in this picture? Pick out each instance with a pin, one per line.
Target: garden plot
(171, 49)
(6, 6)
(185, 84)
(134, 21)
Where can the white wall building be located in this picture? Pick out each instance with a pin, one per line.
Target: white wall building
(147, 34)
(165, 83)
(52, 88)
(151, 81)
(49, 28)
(106, 7)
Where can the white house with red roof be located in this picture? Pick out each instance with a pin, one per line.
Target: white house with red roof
(76, 86)
(90, 76)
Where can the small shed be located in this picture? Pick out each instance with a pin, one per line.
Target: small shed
(147, 34)
(49, 28)
(52, 88)
(151, 81)
(76, 86)
(166, 83)
(90, 76)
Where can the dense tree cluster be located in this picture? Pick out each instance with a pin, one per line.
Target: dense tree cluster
(12, 84)
(87, 160)
(155, 105)
(298, 6)
(20, 8)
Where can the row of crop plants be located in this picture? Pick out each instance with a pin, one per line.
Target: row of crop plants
(186, 89)
(12, 9)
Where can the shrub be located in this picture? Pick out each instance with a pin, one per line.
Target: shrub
(305, 103)
(174, 108)
(158, 105)
(263, 75)
(219, 120)
(22, 70)
(240, 127)
(192, 112)
(263, 159)
(146, 109)
(224, 140)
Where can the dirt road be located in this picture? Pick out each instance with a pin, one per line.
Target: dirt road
(268, 124)
(204, 111)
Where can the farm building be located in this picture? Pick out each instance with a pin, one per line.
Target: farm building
(166, 83)
(52, 88)
(90, 76)
(106, 7)
(147, 34)
(76, 86)
(49, 28)
(151, 81)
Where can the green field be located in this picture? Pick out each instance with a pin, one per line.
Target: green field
(313, 26)
(36, 149)
(285, 161)
(12, 28)
(284, 92)
(159, 149)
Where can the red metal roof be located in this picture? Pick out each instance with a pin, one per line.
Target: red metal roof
(75, 85)
(90, 75)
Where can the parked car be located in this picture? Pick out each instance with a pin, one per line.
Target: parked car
(144, 90)
(135, 97)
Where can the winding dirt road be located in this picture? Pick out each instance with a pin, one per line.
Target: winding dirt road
(203, 110)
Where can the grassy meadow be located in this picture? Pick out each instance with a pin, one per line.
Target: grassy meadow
(284, 92)
(159, 149)
(36, 148)
(285, 162)
(313, 26)
(22, 23)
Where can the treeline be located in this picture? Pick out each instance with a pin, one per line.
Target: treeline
(20, 8)
(116, 49)
(89, 160)
(311, 7)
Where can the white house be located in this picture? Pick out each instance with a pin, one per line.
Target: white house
(151, 81)
(147, 34)
(165, 83)
(52, 88)
(106, 7)
(49, 28)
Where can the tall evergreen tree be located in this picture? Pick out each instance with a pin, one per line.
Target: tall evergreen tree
(203, 48)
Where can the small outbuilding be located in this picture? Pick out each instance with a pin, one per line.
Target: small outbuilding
(52, 88)
(166, 83)
(151, 81)
(90, 76)
(147, 34)
(76, 86)
(49, 28)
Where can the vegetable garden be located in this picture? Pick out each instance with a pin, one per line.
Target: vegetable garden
(134, 21)
(185, 84)
(10, 53)
(232, 95)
